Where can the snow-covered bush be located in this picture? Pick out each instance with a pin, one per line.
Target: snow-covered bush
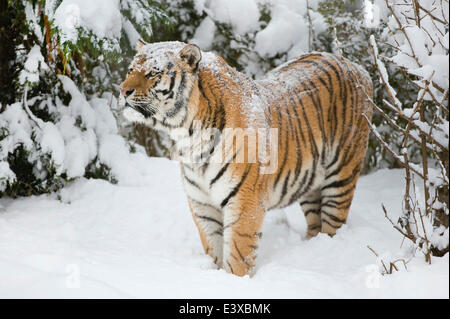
(419, 33)
(252, 35)
(63, 64)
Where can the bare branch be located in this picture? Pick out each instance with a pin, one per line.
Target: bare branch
(387, 148)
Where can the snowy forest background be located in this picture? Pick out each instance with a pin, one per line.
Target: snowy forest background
(60, 122)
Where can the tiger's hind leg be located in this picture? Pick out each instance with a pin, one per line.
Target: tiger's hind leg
(337, 195)
(311, 207)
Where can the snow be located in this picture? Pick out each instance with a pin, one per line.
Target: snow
(133, 240)
(157, 55)
(243, 15)
(6, 175)
(33, 63)
(290, 27)
(82, 131)
(204, 34)
(132, 35)
(53, 143)
(15, 119)
(72, 14)
(423, 49)
(287, 33)
(383, 73)
(284, 26)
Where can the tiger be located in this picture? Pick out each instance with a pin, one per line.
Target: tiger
(319, 105)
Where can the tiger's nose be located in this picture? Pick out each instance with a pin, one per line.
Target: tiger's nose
(126, 92)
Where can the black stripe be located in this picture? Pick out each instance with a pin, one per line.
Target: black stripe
(333, 218)
(343, 182)
(299, 192)
(348, 191)
(193, 183)
(327, 222)
(210, 219)
(299, 162)
(204, 204)
(235, 189)
(315, 99)
(240, 254)
(311, 202)
(169, 90)
(180, 99)
(284, 189)
(222, 170)
(336, 204)
(312, 211)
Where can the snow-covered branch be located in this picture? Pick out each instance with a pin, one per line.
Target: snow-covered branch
(419, 35)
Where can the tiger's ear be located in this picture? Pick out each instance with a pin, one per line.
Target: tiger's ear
(191, 54)
(140, 44)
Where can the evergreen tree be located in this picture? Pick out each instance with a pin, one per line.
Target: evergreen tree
(61, 64)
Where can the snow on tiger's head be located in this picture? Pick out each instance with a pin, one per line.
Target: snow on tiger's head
(159, 83)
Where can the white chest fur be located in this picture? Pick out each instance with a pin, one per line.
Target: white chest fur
(202, 185)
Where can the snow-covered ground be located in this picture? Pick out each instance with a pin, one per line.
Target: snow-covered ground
(138, 240)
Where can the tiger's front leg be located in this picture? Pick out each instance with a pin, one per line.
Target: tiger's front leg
(243, 219)
(209, 222)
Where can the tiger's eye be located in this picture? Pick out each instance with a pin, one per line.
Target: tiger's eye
(152, 74)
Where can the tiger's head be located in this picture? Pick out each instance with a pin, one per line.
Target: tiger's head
(159, 83)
